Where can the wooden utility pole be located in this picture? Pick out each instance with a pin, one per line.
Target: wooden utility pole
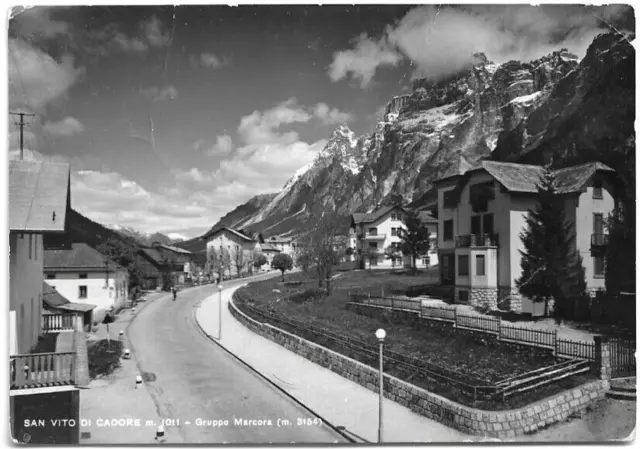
(21, 124)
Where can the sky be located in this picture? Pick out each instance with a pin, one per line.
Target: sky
(173, 116)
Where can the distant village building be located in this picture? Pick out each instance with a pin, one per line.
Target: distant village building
(372, 233)
(85, 276)
(270, 251)
(482, 211)
(228, 243)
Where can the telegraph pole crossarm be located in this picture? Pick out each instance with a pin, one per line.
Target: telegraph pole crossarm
(21, 124)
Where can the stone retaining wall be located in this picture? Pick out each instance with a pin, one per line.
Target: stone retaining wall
(494, 424)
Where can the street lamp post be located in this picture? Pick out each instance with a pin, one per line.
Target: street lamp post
(380, 335)
(219, 311)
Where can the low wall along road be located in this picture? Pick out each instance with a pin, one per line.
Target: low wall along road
(495, 424)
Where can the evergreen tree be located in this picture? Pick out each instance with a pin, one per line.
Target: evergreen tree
(415, 238)
(551, 267)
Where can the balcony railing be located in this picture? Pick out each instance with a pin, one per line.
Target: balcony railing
(476, 240)
(58, 322)
(372, 236)
(42, 370)
(599, 240)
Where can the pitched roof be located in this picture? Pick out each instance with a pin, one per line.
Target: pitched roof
(426, 217)
(268, 247)
(525, 178)
(572, 179)
(224, 228)
(152, 254)
(79, 257)
(55, 300)
(514, 177)
(175, 249)
(38, 196)
(373, 216)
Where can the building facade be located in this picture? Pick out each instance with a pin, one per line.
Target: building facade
(482, 212)
(372, 233)
(39, 202)
(85, 276)
(233, 250)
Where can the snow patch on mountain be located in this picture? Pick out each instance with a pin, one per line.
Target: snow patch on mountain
(177, 236)
(526, 100)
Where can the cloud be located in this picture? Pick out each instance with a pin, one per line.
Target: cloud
(363, 60)
(110, 198)
(155, 32)
(441, 40)
(223, 145)
(35, 23)
(151, 34)
(331, 116)
(65, 127)
(211, 61)
(165, 93)
(36, 79)
(262, 127)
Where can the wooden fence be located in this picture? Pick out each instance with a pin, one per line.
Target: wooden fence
(505, 332)
(622, 357)
(40, 370)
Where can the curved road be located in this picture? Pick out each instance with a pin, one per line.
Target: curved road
(197, 382)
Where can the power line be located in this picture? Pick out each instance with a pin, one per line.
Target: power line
(21, 124)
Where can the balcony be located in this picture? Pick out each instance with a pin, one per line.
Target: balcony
(599, 240)
(372, 236)
(599, 243)
(476, 240)
(51, 369)
(58, 323)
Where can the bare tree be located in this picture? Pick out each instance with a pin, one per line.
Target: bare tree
(323, 240)
(238, 260)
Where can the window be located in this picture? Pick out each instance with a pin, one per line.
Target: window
(30, 245)
(597, 189)
(598, 224)
(394, 232)
(51, 276)
(35, 247)
(450, 199)
(82, 276)
(480, 265)
(476, 225)
(487, 224)
(598, 266)
(394, 217)
(463, 296)
(373, 245)
(425, 261)
(373, 231)
(447, 232)
(463, 265)
(82, 291)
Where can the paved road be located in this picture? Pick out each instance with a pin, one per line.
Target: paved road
(198, 383)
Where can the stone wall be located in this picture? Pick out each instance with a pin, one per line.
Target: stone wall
(494, 424)
(484, 297)
(509, 298)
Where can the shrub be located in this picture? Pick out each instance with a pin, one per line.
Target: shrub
(307, 295)
(104, 358)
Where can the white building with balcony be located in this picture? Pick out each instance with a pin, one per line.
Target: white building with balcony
(482, 212)
(374, 232)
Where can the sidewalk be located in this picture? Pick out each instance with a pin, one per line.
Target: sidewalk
(336, 399)
(116, 396)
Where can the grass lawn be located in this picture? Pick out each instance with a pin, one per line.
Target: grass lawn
(468, 359)
(104, 357)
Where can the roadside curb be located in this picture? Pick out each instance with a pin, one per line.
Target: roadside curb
(272, 383)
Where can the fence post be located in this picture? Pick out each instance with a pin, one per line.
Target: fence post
(455, 321)
(555, 343)
(499, 328)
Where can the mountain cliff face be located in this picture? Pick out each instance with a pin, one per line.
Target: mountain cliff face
(556, 105)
